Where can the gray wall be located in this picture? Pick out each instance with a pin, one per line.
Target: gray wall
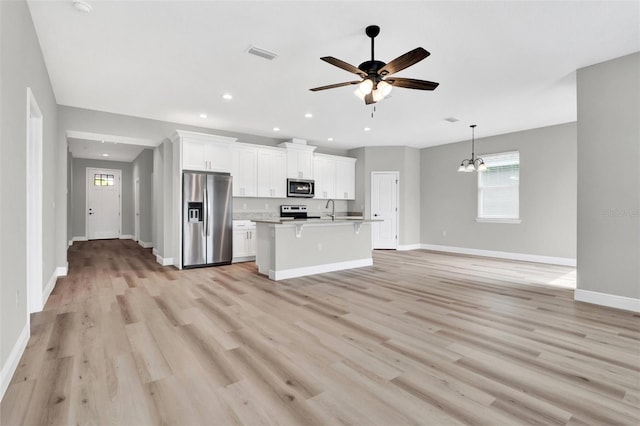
(547, 194)
(609, 178)
(22, 66)
(143, 171)
(79, 198)
(404, 160)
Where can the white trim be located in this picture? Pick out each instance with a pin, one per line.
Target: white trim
(145, 245)
(154, 251)
(82, 238)
(604, 299)
(563, 261)
(70, 243)
(112, 138)
(60, 271)
(126, 237)
(164, 261)
(405, 247)
(319, 269)
(397, 175)
(9, 367)
(497, 220)
(243, 259)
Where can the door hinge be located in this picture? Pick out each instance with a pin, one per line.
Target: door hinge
(396, 237)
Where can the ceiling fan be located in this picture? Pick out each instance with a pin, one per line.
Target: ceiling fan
(376, 77)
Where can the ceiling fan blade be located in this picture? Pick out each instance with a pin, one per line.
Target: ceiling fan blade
(333, 86)
(404, 61)
(368, 99)
(344, 65)
(411, 83)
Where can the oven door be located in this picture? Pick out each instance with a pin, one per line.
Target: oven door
(300, 188)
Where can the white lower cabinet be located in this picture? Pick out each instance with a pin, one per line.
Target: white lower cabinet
(244, 241)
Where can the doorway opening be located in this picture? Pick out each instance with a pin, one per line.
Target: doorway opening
(34, 204)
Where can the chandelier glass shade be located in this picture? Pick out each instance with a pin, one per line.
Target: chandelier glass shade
(472, 164)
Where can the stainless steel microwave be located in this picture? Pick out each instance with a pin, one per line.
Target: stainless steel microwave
(301, 188)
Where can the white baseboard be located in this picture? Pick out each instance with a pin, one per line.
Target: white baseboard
(563, 261)
(154, 251)
(319, 269)
(70, 243)
(604, 299)
(60, 271)
(145, 245)
(243, 259)
(82, 238)
(164, 261)
(404, 247)
(126, 237)
(9, 367)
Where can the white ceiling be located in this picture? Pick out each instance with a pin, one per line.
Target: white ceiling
(505, 65)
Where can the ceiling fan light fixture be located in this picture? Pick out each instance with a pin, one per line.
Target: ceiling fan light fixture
(359, 94)
(365, 87)
(381, 91)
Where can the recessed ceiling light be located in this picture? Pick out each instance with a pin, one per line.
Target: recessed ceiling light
(82, 6)
(203, 115)
(102, 141)
(276, 129)
(366, 129)
(227, 96)
(105, 155)
(308, 115)
(330, 139)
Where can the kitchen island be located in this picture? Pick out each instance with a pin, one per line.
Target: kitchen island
(296, 248)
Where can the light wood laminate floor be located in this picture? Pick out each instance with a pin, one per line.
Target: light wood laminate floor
(419, 338)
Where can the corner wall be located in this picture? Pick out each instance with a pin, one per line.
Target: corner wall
(547, 196)
(609, 183)
(143, 172)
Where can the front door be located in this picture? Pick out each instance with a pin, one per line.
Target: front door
(103, 203)
(384, 206)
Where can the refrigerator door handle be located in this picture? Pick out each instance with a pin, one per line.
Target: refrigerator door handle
(205, 228)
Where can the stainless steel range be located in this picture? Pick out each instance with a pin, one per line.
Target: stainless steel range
(295, 212)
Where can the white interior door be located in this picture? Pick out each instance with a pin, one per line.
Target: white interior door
(103, 203)
(136, 208)
(384, 206)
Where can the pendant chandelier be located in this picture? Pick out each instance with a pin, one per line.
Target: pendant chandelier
(473, 163)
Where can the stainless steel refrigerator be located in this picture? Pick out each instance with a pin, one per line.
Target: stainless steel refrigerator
(207, 215)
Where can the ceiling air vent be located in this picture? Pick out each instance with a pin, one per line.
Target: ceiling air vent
(452, 119)
(262, 53)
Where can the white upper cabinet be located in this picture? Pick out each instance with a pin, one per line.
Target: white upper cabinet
(324, 167)
(203, 152)
(272, 172)
(346, 178)
(299, 160)
(244, 169)
(335, 177)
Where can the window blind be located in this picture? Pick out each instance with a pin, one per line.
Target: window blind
(499, 186)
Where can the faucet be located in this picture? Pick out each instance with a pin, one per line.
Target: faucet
(333, 210)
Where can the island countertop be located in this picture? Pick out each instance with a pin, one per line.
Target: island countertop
(287, 248)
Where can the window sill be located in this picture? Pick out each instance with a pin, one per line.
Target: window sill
(487, 220)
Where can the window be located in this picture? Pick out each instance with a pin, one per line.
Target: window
(102, 180)
(499, 187)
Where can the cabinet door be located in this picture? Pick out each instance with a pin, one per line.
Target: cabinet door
(251, 243)
(272, 173)
(299, 164)
(194, 155)
(345, 179)
(239, 243)
(325, 177)
(244, 171)
(218, 157)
